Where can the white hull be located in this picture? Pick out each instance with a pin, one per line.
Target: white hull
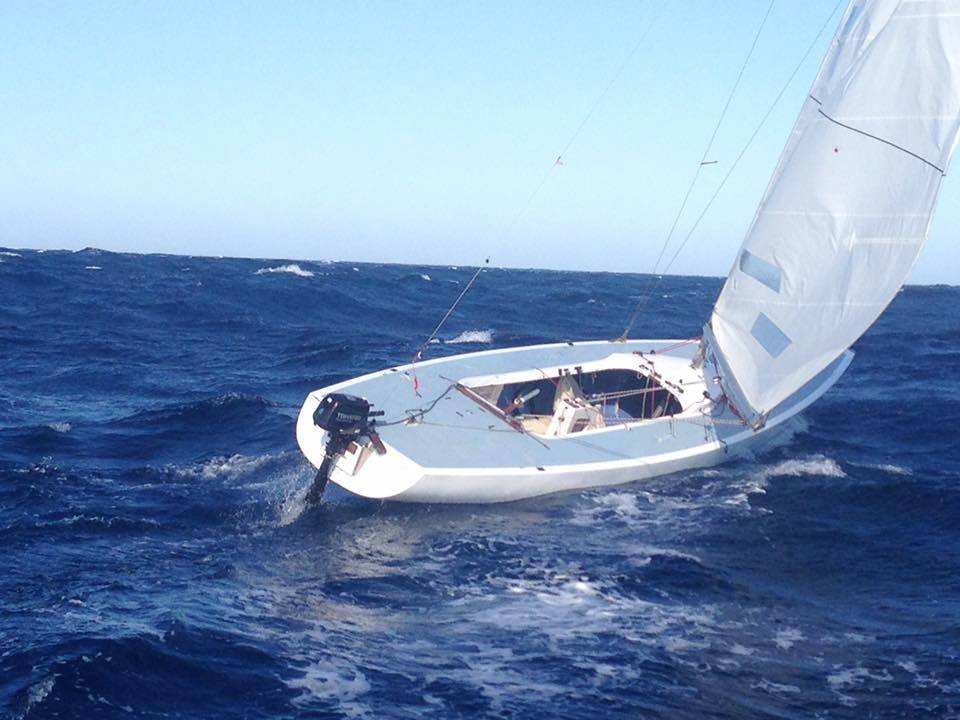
(461, 453)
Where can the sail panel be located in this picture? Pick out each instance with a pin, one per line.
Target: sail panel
(849, 205)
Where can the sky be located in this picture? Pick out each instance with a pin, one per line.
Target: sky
(412, 132)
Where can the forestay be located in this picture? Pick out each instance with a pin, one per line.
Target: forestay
(849, 205)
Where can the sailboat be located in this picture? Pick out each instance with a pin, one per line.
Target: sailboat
(840, 225)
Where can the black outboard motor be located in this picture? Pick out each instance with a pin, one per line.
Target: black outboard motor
(345, 418)
(342, 414)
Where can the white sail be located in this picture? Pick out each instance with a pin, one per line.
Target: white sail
(849, 205)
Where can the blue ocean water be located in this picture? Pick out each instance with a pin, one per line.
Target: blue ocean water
(157, 559)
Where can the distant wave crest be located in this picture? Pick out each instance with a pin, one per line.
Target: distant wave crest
(292, 268)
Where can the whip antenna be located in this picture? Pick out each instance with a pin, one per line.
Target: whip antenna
(450, 310)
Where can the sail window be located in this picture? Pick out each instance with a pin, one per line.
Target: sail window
(760, 270)
(770, 337)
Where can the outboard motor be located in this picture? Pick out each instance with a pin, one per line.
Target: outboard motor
(345, 418)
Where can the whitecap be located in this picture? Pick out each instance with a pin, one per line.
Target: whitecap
(424, 276)
(787, 638)
(472, 336)
(221, 466)
(774, 688)
(909, 665)
(332, 679)
(850, 677)
(60, 427)
(814, 465)
(892, 469)
(292, 268)
(567, 604)
(100, 520)
(39, 691)
(93, 267)
(8, 253)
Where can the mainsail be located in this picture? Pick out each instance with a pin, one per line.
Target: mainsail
(849, 205)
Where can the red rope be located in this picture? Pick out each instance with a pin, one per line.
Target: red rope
(676, 345)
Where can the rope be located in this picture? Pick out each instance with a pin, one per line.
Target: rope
(884, 141)
(756, 131)
(417, 414)
(701, 164)
(663, 351)
(618, 394)
(603, 94)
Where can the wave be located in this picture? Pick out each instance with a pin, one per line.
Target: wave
(218, 407)
(201, 429)
(814, 465)
(292, 269)
(222, 467)
(890, 469)
(276, 482)
(787, 638)
(93, 267)
(94, 523)
(60, 427)
(774, 688)
(844, 679)
(332, 679)
(424, 276)
(8, 253)
(36, 694)
(472, 336)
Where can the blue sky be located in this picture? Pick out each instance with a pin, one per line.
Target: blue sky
(399, 131)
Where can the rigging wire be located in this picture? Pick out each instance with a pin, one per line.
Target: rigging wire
(696, 175)
(423, 346)
(756, 131)
(558, 162)
(419, 354)
(813, 43)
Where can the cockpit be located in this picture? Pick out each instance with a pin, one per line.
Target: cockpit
(575, 400)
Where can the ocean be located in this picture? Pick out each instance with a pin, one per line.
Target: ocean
(158, 561)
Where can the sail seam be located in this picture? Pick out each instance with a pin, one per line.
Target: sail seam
(874, 137)
(814, 213)
(799, 304)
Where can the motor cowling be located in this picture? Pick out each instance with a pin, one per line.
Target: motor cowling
(344, 415)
